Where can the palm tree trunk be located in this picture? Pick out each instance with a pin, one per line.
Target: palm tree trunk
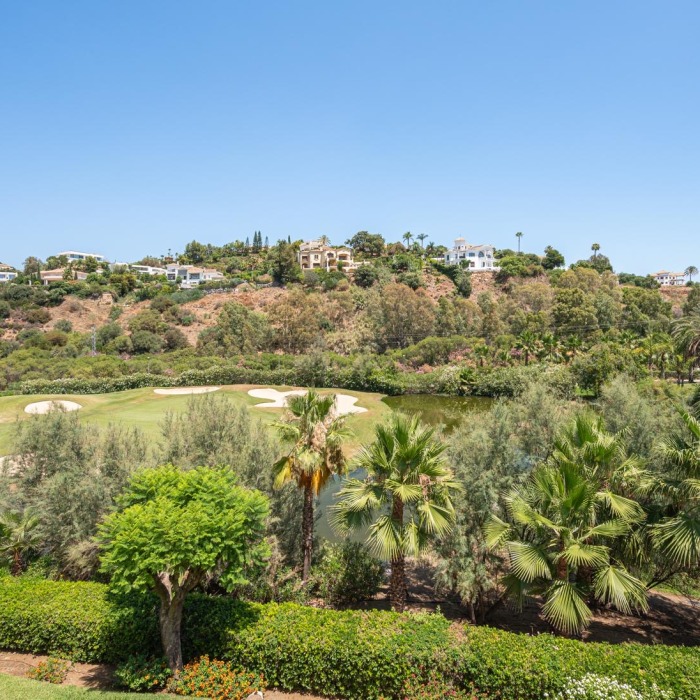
(397, 585)
(308, 531)
(16, 563)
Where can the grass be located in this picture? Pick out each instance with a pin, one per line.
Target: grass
(143, 409)
(12, 688)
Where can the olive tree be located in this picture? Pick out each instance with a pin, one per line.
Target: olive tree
(174, 530)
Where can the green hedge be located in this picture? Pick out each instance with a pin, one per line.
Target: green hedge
(348, 654)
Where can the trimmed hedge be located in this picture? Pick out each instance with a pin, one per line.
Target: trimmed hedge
(348, 654)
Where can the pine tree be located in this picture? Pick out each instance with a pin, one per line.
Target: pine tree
(247, 242)
(267, 242)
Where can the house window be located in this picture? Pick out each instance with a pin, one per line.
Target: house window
(471, 255)
(481, 255)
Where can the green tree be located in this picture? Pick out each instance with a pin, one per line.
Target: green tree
(408, 236)
(284, 267)
(238, 330)
(405, 501)
(686, 334)
(403, 317)
(519, 235)
(316, 433)
(563, 523)
(175, 529)
(690, 271)
(421, 237)
(595, 248)
(552, 258)
(19, 536)
(528, 344)
(370, 244)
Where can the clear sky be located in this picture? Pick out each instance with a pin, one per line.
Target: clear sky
(128, 127)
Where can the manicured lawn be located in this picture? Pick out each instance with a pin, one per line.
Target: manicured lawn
(144, 409)
(12, 688)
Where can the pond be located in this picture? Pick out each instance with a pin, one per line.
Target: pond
(446, 411)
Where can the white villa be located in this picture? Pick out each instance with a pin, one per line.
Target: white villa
(7, 273)
(670, 279)
(188, 276)
(476, 257)
(75, 256)
(317, 255)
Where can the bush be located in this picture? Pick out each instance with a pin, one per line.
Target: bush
(347, 573)
(52, 670)
(349, 654)
(141, 673)
(592, 687)
(217, 680)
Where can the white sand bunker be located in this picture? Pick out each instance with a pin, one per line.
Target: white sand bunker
(345, 404)
(41, 407)
(180, 390)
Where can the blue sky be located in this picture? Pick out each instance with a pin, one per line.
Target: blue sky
(131, 127)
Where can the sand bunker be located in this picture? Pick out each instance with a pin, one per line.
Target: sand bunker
(180, 390)
(41, 407)
(345, 404)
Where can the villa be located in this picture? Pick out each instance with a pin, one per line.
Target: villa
(188, 276)
(317, 255)
(76, 256)
(476, 257)
(7, 273)
(58, 275)
(670, 279)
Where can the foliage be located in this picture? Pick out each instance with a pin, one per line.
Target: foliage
(52, 670)
(217, 680)
(404, 502)
(347, 573)
(174, 530)
(348, 654)
(142, 673)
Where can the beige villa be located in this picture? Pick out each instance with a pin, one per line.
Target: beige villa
(317, 255)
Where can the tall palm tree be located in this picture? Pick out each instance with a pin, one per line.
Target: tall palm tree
(407, 237)
(690, 271)
(19, 535)
(686, 334)
(678, 534)
(564, 522)
(595, 248)
(421, 237)
(324, 240)
(316, 433)
(519, 235)
(405, 500)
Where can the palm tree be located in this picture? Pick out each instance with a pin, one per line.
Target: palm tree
(527, 342)
(421, 237)
(19, 535)
(519, 235)
(324, 240)
(573, 345)
(690, 271)
(678, 534)
(550, 346)
(686, 334)
(595, 248)
(563, 523)
(481, 352)
(407, 237)
(405, 500)
(316, 433)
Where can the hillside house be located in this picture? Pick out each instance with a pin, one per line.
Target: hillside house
(475, 257)
(7, 273)
(670, 279)
(316, 255)
(189, 276)
(57, 275)
(77, 256)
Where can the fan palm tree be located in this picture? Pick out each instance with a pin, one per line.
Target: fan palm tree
(316, 433)
(678, 534)
(407, 237)
(519, 235)
(550, 346)
(528, 343)
(421, 237)
(405, 500)
(573, 345)
(19, 535)
(595, 248)
(690, 271)
(481, 352)
(686, 334)
(564, 523)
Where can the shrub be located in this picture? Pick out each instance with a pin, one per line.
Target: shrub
(141, 673)
(593, 687)
(52, 670)
(347, 573)
(349, 654)
(63, 325)
(146, 342)
(217, 680)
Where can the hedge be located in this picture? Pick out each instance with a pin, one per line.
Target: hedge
(347, 654)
